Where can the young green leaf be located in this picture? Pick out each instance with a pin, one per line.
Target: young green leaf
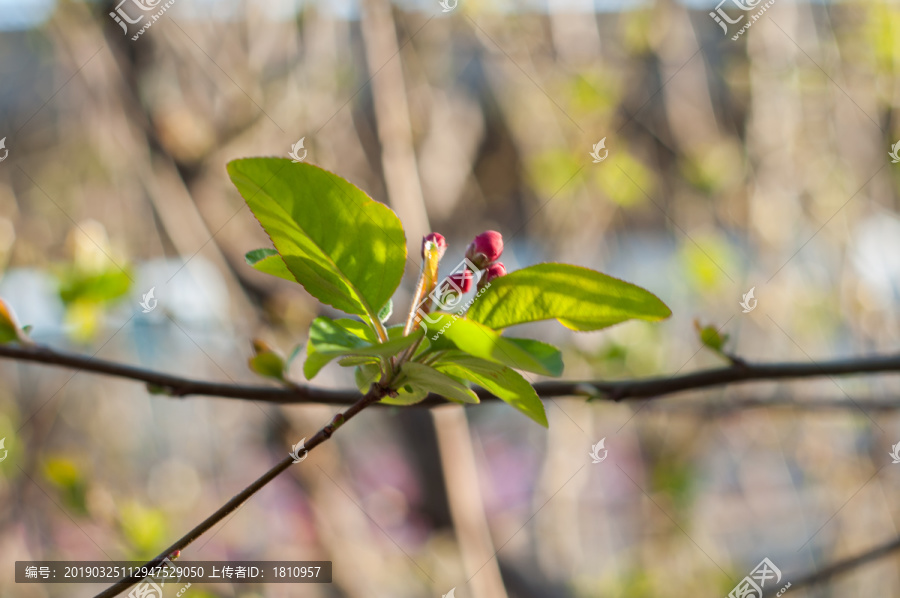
(407, 396)
(360, 329)
(268, 365)
(346, 249)
(480, 341)
(328, 339)
(385, 312)
(711, 337)
(9, 327)
(426, 377)
(366, 375)
(548, 355)
(266, 361)
(501, 381)
(352, 360)
(580, 298)
(269, 262)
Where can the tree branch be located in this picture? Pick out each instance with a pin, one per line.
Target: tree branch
(596, 389)
(374, 395)
(841, 567)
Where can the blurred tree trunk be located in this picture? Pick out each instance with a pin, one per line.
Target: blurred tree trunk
(398, 157)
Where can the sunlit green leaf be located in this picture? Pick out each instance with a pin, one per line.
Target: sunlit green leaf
(480, 341)
(346, 249)
(269, 262)
(497, 379)
(328, 339)
(580, 298)
(548, 355)
(425, 377)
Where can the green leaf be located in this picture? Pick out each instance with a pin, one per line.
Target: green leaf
(266, 361)
(711, 337)
(580, 298)
(549, 356)
(9, 328)
(269, 365)
(352, 360)
(360, 329)
(392, 346)
(269, 262)
(409, 395)
(385, 312)
(97, 287)
(329, 339)
(480, 341)
(501, 381)
(366, 376)
(346, 249)
(426, 377)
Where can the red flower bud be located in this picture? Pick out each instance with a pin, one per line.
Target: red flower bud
(485, 249)
(494, 271)
(460, 280)
(437, 239)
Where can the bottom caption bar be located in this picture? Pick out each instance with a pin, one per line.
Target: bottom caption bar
(190, 572)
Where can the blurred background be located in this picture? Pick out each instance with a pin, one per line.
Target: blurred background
(758, 162)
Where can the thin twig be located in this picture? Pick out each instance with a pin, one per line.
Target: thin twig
(374, 395)
(846, 565)
(618, 390)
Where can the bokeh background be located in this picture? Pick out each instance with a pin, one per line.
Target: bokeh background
(759, 162)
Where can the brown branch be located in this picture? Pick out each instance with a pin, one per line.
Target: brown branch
(645, 388)
(737, 372)
(373, 396)
(844, 566)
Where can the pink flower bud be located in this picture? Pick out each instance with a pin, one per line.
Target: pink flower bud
(437, 239)
(485, 249)
(494, 271)
(460, 280)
